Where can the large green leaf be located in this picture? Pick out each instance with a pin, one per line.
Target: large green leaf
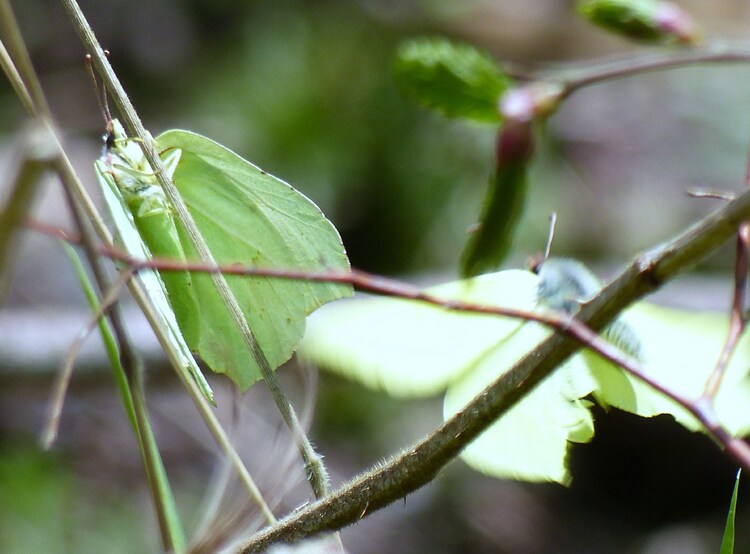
(411, 349)
(245, 216)
(249, 217)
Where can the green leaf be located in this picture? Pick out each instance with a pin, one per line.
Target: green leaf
(249, 217)
(412, 349)
(679, 348)
(492, 237)
(642, 20)
(532, 439)
(455, 79)
(727, 541)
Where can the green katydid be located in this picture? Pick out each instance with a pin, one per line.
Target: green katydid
(245, 216)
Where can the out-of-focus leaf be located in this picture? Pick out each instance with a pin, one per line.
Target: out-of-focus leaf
(492, 237)
(679, 348)
(532, 439)
(457, 80)
(411, 348)
(642, 20)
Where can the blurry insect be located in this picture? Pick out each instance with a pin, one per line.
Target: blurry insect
(566, 284)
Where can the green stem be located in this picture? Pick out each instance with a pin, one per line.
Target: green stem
(131, 395)
(126, 362)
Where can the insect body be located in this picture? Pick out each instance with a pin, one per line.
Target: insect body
(123, 168)
(566, 284)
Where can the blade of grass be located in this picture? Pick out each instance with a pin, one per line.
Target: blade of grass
(131, 394)
(727, 541)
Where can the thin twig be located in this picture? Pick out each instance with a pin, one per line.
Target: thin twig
(60, 388)
(574, 79)
(368, 282)
(737, 318)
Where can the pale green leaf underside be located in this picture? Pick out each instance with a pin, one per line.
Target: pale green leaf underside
(410, 349)
(249, 217)
(531, 440)
(680, 349)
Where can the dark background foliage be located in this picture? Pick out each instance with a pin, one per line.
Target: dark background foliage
(305, 90)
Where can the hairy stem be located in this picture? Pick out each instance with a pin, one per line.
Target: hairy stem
(420, 463)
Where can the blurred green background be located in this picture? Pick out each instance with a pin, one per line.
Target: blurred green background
(305, 90)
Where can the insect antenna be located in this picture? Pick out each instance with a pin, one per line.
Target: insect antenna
(551, 234)
(534, 263)
(101, 99)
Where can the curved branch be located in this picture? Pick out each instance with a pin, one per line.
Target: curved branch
(713, 53)
(419, 464)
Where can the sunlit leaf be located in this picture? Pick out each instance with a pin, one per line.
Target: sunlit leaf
(414, 349)
(532, 439)
(679, 348)
(410, 349)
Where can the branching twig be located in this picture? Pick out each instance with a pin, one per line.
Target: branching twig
(418, 465)
(737, 318)
(574, 79)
